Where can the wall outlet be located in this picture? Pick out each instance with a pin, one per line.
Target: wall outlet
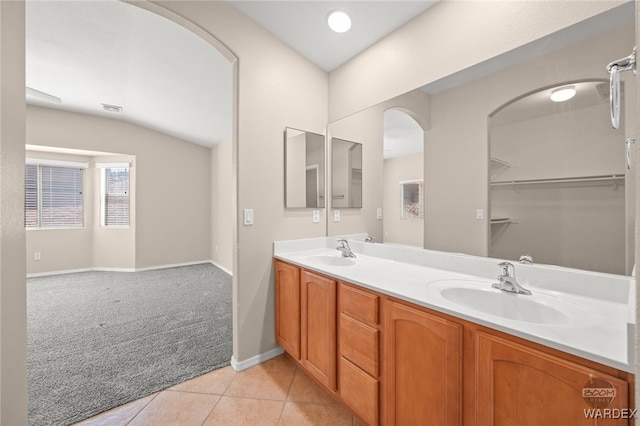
(379, 213)
(248, 217)
(316, 216)
(336, 215)
(480, 214)
(37, 256)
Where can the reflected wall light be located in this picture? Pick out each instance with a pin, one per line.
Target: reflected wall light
(563, 94)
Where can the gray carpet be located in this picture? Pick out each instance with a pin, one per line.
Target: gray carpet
(97, 340)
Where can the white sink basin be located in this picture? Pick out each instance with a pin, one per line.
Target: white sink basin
(538, 308)
(331, 260)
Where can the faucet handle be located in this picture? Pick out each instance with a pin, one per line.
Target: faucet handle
(505, 266)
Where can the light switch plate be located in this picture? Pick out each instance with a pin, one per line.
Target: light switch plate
(379, 213)
(336, 215)
(248, 217)
(316, 216)
(479, 214)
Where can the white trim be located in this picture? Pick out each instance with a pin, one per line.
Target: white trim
(219, 266)
(113, 165)
(73, 271)
(108, 269)
(57, 163)
(174, 265)
(265, 356)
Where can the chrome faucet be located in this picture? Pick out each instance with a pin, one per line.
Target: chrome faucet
(343, 246)
(526, 259)
(507, 280)
(369, 239)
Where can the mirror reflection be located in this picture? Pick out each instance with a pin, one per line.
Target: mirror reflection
(346, 174)
(305, 169)
(463, 115)
(556, 185)
(403, 202)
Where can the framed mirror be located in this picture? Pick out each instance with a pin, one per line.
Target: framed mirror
(346, 174)
(304, 169)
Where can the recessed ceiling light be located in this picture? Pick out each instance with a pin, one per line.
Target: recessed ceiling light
(339, 21)
(111, 108)
(563, 94)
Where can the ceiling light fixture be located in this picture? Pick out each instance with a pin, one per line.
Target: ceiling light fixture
(563, 94)
(339, 21)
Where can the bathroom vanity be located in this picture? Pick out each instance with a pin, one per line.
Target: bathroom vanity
(406, 336)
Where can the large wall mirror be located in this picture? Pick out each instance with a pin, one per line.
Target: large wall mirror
(304, 169)
(557, 176)
(346, 174)
(464, 118)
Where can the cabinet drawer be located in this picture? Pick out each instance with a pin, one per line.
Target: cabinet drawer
(359, 391)
(358, 304)
(359, 344)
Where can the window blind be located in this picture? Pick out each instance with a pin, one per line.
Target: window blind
(116, 196)
(54, 196)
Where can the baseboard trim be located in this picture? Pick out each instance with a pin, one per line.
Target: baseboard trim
(265, 356)
(219, 266)
(107, 269)
(173, 265)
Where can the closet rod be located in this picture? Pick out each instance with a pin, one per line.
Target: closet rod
(561, 180)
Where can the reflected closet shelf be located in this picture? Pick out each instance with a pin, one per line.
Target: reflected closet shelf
(601, 178)
(500, 220)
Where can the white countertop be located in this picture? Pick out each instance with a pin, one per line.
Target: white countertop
(605, 334)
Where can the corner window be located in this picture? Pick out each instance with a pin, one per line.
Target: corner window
(54, 194)
(114, 190)
(412, 193)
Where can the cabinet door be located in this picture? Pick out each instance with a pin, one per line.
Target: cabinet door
(319, 327)
(517, 385)
(422, 367)
(287, 299)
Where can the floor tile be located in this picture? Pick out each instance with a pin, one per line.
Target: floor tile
(298, 414)
(120, 415)
(305, 389)
(176, 408)
(232, 411)
(269, 380)
(215, 382)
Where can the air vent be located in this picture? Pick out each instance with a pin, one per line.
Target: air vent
(111, 108)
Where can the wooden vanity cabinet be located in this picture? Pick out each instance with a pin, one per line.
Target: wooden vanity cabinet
(359, 351)
(423, 367)
(396, 363)
(318, 332)
(287, 301)
(519, 385)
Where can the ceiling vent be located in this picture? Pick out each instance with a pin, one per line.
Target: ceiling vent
(111, 108)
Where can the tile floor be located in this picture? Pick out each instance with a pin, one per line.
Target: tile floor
(275, 392)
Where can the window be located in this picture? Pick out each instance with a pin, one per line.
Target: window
(114, 188)
(412, 193)
(54, 194)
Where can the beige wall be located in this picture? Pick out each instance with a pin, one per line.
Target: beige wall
(221, 206)
(13, 298)
(397, 230)
(172, 186)
(277, 88)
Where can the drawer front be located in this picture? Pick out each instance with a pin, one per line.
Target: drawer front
(359, 391)
(359, 304)
(359, 344)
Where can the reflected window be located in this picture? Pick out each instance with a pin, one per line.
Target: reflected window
(412, 201)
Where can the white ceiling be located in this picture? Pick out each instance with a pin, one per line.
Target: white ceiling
(303, 24)
(163, 76)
